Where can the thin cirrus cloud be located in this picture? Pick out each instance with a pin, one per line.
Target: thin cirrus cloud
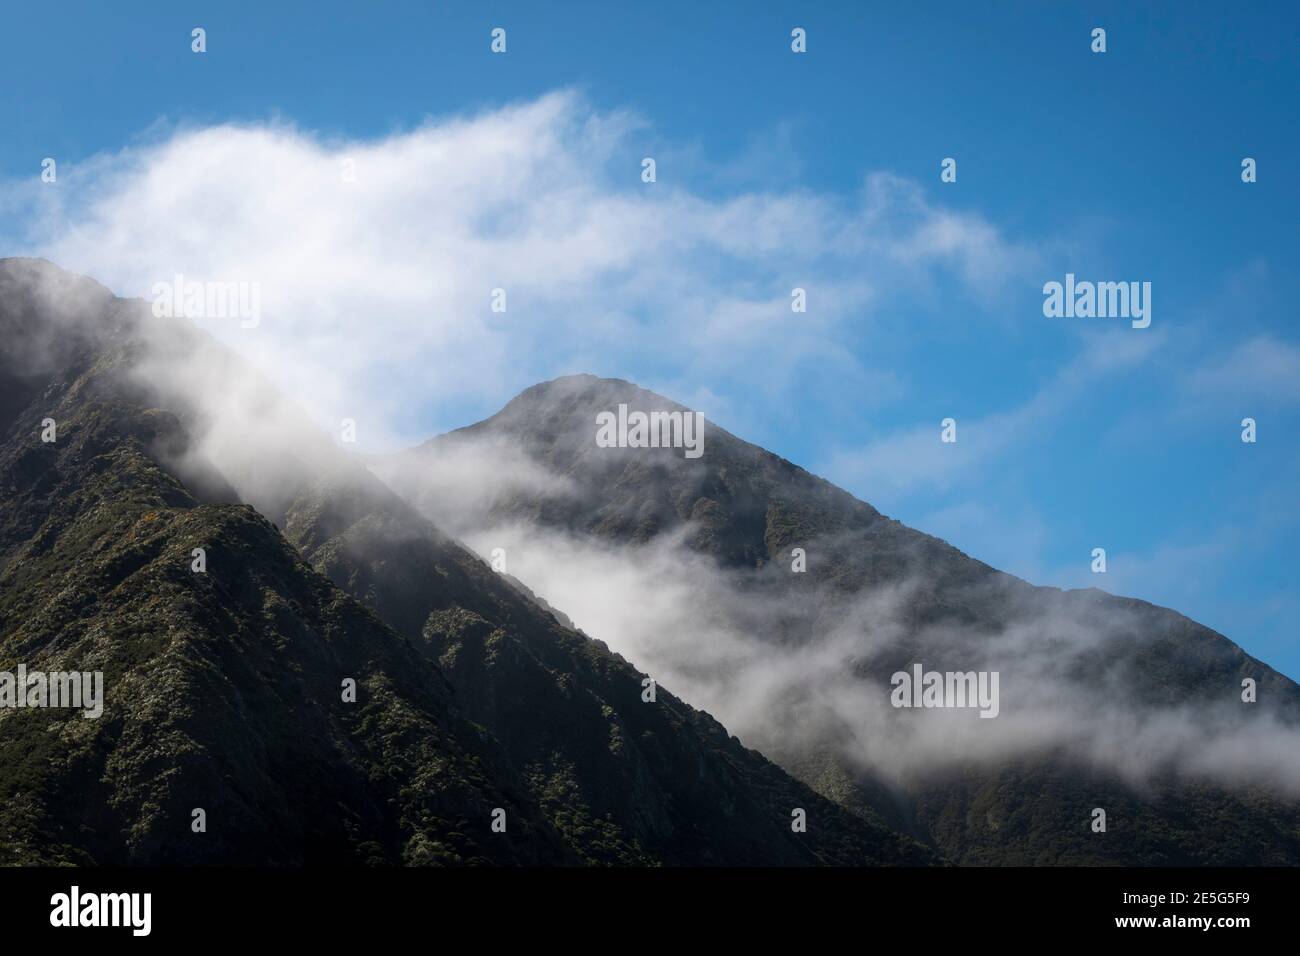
(377, 260)
(914, 460)
(1263, 367)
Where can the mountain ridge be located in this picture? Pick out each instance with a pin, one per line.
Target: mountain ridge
(741, 510)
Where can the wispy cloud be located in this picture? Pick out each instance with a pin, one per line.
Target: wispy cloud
(914, 460)
(1263, 368)
(714, 637)
(377, 259)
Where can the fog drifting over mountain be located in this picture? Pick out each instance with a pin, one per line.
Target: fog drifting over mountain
(795, 671)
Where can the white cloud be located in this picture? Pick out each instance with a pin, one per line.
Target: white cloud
(710, 637)
(375, 293)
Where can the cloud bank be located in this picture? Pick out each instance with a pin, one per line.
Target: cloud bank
(377, 261)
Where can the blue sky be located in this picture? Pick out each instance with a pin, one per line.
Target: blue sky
(1073, 433)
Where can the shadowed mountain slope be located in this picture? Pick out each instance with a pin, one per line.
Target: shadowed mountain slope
(628, 780)
(1106, 702)
(223, 689)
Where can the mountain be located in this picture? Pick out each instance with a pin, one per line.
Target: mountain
(226, 686)
(222, 689)
(1106, 702)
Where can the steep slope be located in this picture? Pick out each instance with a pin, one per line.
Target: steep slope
(624, 778)
(1105, 699)
(224, 687)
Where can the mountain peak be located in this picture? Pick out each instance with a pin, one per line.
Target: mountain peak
(584, 391)
(802, 602)
(41, 274)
